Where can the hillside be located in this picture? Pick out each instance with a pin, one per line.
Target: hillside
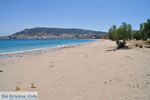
(40, 32)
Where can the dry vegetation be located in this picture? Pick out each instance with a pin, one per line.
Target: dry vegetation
(138, 43)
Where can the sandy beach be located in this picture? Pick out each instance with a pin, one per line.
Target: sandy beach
(93, 71)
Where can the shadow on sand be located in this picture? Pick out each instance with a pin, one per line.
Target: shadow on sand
(115, 48)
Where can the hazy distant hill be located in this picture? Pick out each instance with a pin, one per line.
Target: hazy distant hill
(58, 33)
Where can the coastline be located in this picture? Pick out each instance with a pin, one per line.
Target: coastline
(39, 50)
(92, 71)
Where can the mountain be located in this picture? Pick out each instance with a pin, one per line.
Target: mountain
(40, 32)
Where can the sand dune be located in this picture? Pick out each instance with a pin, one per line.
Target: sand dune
(93, 71)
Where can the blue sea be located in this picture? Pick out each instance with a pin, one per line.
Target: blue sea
(19, 45)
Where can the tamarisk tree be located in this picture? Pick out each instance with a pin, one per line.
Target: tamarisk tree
(121, 35)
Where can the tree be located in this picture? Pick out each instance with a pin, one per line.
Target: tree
(120, 35)
(112, 34)
(137, 35)
(145, 30)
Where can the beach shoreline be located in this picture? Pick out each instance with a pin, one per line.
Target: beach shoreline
(6, 56)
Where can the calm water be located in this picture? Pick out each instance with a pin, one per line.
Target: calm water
(16, 45)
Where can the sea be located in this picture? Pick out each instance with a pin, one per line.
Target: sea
(20, 45)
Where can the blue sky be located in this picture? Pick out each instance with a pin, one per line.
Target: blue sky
(100, 15)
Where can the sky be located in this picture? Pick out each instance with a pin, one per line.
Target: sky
(99, 15)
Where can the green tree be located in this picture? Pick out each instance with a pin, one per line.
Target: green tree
(145, 30)
(120, 35)
(112, 34)
(137, 35)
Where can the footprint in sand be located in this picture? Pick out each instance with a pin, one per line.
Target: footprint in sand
(147, 82)
(19, 83)
(134, 85)
(85, 56)
(51, 62)
(148, 75)
(108, 81)
(50, 66)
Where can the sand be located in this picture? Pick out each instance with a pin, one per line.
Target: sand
(93, 71)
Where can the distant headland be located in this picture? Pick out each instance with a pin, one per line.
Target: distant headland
(44, 33)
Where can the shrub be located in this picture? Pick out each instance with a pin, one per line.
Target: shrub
(141, 46)
(148, 41)
(136, 45)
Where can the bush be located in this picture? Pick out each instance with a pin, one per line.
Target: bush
(141, 46)
(148, 41)
(136, 45)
